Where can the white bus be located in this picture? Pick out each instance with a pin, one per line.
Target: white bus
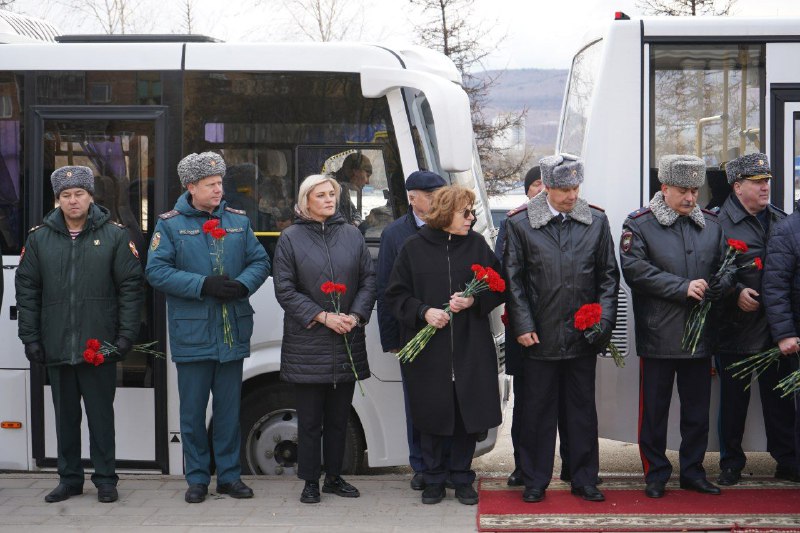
(717, 88)
(130, 107)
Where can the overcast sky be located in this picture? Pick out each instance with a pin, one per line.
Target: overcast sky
(539, 33)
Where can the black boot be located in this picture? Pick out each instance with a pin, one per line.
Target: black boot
(62, 492)
(310, 492)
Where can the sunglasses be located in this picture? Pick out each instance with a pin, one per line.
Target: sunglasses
(468, 212)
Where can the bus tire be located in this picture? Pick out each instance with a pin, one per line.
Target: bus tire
(269, 434)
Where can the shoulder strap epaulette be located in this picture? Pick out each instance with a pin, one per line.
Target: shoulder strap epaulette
(639, 212)
(516, 210)
(597, 207)
(117, 224)
(713, 212)
(35, 228)
(237, 211)
(169, 214)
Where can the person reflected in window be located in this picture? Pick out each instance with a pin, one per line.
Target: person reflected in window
(353, 176)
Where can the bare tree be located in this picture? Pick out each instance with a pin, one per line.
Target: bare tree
(188, 17)
(113, 16)
(678, 8)
(323, 20)
(6, 4)
(448, 28)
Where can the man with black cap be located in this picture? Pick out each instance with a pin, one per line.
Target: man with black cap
(207, 348)
(748, 216)
(78, 279)
(669, 251)
(419, 186)
(559, 256)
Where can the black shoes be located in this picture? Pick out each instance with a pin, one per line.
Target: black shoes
(533, 495)
(237, 489)
(434, 493)
(196, 493)
(729, 477)
(418, 481)
(310, 492)
(107, 493)
(700, 485)
(655, 489)
(787, 474)
(340, 487)
(466, 494)
(515, 479)
(62, 492)
(589, 493)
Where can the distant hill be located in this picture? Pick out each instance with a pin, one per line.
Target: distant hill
(541, 91)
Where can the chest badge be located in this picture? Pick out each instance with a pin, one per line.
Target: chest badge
(97, 242)
(626, 242)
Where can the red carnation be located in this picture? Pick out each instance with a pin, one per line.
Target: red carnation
(504, 317)
(89, 355)
(218, 233)
(758, 263)
(587, 316)
(328, 287)
(210, 224)
(99, 359)
(480, 272)
(739, 246)
(496, 283)
(93, 344)
(341, 288)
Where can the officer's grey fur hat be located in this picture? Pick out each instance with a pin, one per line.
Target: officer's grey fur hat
(195, 167)
(682, 171)
(747, 166)
(561, 171)
(71, 177)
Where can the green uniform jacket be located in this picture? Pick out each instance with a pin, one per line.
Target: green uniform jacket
(70, 291)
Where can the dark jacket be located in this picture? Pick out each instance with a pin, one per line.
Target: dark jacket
(308, 254)
(431, 266)
(513, 348)
(70, 291)
(181, 258)
(661, 253)
(554, 268)
(392, 239)
(781, 282)
(740, 332)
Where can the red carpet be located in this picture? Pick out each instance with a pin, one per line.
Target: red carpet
(754, 504)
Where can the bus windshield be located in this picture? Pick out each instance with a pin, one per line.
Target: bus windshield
(582, 80)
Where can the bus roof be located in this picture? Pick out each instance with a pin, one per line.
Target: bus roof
(712, 27)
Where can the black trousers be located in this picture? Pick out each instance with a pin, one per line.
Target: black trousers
(322, 412)
(458, 465)
(778, 414)
(541, 412)
(656, 379)
(97, 386)
(517, 422)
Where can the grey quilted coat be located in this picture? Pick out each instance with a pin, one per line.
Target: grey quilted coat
(308, 254)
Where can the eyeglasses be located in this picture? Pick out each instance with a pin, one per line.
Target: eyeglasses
(468, 212)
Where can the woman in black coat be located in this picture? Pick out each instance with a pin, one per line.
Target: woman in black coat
(452, 384)
(321, 247)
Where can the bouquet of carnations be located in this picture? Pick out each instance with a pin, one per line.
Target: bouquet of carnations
(484, 278)
(588, 317)
(96, 352)
(790, 384)
(335, 291)
(218, 234)
(695, 325)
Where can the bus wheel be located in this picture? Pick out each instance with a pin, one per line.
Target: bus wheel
(269, 434)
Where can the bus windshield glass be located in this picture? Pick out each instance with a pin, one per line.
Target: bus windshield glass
(582, 80)
(706, 101)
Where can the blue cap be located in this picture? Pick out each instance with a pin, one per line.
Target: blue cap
(423, 180)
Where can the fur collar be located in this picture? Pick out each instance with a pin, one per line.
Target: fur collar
(667, 216)
(539, 213)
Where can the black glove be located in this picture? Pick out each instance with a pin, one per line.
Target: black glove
(123, 346)
(719, 286)
(235, 289)
(34, 351)
(599, 339)
(214, 286)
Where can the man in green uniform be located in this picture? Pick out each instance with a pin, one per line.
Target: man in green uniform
(79, 278)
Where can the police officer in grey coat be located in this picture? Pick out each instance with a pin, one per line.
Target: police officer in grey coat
(748, 216)
(669, 251)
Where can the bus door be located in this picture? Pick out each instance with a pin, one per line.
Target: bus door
(125, 148)
(785, 147)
